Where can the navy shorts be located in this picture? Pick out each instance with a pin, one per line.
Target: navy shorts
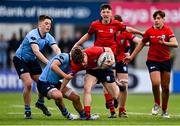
(159, 66)
(21, 66)
(103, 75)
(45, 87)
(121, 67)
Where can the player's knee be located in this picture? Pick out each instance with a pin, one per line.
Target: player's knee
(122, 84)
(57, 95)
(165, 89)
(122, 88)
(28, 85)
(87, 90)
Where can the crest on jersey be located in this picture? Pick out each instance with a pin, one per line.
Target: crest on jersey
(163, 36)
(111, 30)
(122, 41)
(33, 38)
(61, 57)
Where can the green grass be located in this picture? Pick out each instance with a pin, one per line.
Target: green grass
(138, 108)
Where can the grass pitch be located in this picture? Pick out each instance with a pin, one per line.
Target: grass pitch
(138, 109)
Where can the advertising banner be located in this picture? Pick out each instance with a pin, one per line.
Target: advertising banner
(140, 13)
(61, 11)
(176, 82)
(139, 82)
(10, 82)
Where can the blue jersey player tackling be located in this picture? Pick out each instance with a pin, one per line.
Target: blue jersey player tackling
(26, 60)
(59, 68)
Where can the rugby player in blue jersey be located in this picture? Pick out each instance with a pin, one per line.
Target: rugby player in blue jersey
(49, 84)
(26, 61)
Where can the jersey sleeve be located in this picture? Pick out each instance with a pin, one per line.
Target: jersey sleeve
(51, 40)
(62, 58)
(170, 33)
(91, 29)
(121, 26)
(32, 37)
(130, 36)
(145, 37)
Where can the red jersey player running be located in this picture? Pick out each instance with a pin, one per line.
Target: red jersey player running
(158, 62)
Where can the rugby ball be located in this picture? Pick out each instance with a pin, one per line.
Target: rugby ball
(102, 58)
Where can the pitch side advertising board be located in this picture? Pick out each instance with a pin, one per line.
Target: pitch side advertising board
(60, 11)
(140, 13)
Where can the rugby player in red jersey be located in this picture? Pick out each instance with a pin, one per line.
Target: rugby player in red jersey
(105, 31)
(123, 40)
(105, 76)
(161, 38)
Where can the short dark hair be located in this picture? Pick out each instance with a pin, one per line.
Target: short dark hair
(43, 17)
(105, 6)
(77, 55)
(160, 13)
(118, 17)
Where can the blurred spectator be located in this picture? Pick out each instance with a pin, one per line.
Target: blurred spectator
(3, 50)
(77, 36)
(65, 43)
(13, 44)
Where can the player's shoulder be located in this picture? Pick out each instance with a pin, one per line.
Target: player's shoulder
(150, 30)
(126, 33)
(33, 34)
(62, 57)
(93, 49)
(167, 28)
(96, 22)
(116, 22)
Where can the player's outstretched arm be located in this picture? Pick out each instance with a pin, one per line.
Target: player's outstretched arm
(40, 56)
(56, 49)
(82, 40)
(134, 31)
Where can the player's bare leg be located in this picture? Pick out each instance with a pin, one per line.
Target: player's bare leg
(156, 80)
(122, 79)
(75, 98)
(89, 82)
(113, 90)
(40, 102)
(58, 97)
(109, 103)
(165, 80)
(27, 81)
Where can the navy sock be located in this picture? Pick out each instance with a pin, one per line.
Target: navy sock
(27, 108)
(82, 114)
(40, 101)
(64, 111)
